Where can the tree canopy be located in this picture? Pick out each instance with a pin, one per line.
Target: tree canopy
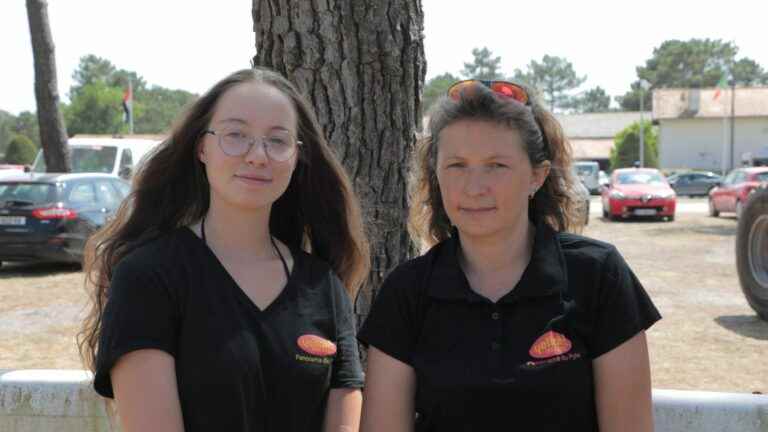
(484, 66)
(96, 100)
(554, 77)
(694, 63)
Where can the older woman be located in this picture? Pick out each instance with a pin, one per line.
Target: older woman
(508, 322)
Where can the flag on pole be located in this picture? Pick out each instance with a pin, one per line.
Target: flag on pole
(722, 84)
(128, 103)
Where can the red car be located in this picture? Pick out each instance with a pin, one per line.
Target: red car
(638, 192)
(731, 194)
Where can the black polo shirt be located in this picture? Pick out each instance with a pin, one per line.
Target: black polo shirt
(522, 362)
(238, 368)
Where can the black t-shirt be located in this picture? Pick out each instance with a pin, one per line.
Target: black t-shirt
(522, 362)
(238, 368)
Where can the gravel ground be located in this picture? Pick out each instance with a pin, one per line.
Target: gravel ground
(709, 338)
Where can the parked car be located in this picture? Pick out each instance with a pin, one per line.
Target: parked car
(694, 183)
(49, 217)
(751, 250)
(9, 170)
(638, 192)
(603, 179)
(95, 154)
(731, 194)
(588, 173)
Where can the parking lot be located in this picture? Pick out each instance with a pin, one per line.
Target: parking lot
(709, 338)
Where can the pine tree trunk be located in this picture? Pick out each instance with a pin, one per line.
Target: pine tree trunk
(53, 133)
(361, 63)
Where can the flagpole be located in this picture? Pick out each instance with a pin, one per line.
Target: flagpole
(723, 161)
(130, 114)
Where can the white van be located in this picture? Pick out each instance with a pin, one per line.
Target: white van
(588, 172)
(117, 156)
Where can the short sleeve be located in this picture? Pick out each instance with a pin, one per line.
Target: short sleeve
(139, 314)
(391, 323)
(347, 370)
(623, 308)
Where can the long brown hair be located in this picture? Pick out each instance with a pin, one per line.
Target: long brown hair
(543, 140)
(318, 211)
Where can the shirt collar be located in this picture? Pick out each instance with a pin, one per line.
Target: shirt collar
(545, 274)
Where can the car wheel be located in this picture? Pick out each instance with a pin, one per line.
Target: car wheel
(712, 210)
(739, 209)
(751, 259)
(671, 218)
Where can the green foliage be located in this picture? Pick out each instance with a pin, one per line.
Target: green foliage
(483, 66)
(7, 123)
(96, 101)
(554, 78)
(631, 99)
(95, 109)
(626, 149)
(26, 124)
(695, 63)
(93, 69)
(156, 108)
(21, 150)
(592, 100)
(436, 88)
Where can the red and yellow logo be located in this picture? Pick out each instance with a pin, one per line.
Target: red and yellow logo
(317, 346)
(550, 344)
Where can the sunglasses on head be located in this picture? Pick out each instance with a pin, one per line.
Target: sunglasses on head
(501, 88)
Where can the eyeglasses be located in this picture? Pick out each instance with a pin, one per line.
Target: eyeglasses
(502, 88)
(279, 146)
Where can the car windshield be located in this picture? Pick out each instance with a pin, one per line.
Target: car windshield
(27, 193)
(583, 170)
(761, 177)
(87, 159)
(640, 178)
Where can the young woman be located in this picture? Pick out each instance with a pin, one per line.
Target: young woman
(508, 322)
(223, 286)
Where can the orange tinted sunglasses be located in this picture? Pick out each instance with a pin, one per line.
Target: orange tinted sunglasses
(503, 88)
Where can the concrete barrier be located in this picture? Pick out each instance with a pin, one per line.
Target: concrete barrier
(64, 401)
(50, 400)
(676, 410)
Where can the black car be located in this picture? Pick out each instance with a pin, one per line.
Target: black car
(49, 217)
(694, 183)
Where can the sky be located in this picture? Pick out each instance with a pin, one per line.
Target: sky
(188, 45)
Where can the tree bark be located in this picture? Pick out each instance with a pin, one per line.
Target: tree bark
(361, 63)
(53, 133)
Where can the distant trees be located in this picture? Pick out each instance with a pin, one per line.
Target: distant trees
(555, 78)
(626, 149)
(20, 151)
(484, 66)
(694, 63)
(592, 100)
(96, 100)
(435, 88)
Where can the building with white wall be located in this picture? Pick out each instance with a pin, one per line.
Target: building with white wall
(695, 126)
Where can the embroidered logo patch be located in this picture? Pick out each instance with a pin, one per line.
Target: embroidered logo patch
(316, 346)
(550, 344)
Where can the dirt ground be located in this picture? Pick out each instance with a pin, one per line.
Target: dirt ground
(709, 338)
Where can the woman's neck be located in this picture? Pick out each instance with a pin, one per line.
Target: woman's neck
(498, 253)
(232, 230)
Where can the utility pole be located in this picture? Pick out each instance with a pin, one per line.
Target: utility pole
(644, 86)
(733, 120)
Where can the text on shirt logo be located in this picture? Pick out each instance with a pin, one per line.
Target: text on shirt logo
(550, 344)
(318, 348)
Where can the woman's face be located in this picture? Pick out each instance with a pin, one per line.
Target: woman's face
(485, 177)
(252, 180)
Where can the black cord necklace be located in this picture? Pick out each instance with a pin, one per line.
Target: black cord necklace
(271, 239)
